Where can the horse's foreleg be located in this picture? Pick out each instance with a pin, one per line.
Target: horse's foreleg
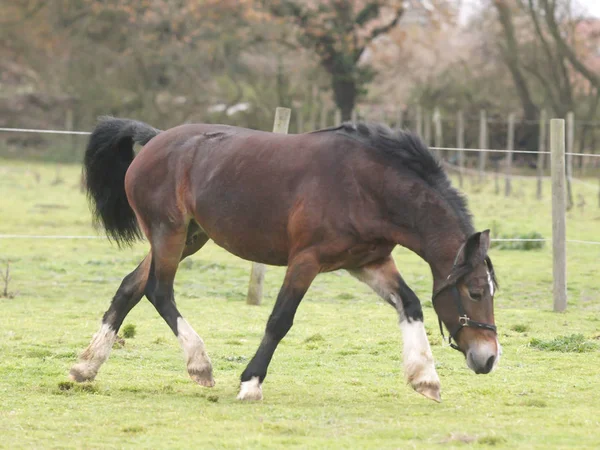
(383, 277)
(159, 290)
(128, 295)
(300, 274)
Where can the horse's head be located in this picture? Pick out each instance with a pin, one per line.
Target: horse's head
(464, 302)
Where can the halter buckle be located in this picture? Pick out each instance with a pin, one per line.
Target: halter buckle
(464, 320)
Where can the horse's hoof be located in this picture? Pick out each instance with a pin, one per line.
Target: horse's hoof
(81, 373)
(210, 382)
(203, 376)
(250, 390)
(429, 390)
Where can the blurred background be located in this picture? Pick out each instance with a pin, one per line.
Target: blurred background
(428, 65)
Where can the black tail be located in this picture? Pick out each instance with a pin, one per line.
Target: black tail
(107, 157)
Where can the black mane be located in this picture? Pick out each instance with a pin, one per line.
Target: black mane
(408, 152)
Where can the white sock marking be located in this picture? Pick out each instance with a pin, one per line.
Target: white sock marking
(193, 346)
(96, 353)
(418, 359)
(250, 390)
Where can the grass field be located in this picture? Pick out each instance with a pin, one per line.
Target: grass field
(336, 380)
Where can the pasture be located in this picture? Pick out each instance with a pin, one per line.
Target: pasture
(336, 380)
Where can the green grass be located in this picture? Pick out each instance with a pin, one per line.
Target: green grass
(336, 380)
(128, 331)
(575, 343)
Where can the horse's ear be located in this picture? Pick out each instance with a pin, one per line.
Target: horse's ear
(476, 247)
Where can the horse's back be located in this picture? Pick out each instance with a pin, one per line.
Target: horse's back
(257, 194)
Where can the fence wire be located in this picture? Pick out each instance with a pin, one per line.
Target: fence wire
(30, 130)
(485, 150)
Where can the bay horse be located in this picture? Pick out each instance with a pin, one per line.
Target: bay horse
(338, 198)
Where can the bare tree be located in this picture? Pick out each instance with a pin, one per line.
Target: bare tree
(339, 31)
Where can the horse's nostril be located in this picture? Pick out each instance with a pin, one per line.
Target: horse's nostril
(489, 364)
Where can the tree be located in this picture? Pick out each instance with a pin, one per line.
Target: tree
(545, 54)
(339, 32)
(511, 54)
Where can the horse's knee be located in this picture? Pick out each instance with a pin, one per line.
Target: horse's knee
(279, 324)
(411, 305)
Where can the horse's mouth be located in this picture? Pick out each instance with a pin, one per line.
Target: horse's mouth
(484, 357)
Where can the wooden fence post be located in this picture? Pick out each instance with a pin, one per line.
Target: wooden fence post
(570, 149)
(559, 216)
(400, 119)
(460, 144)
(382, 116)
(338, 117)
(257, 275)
(540, 156)
(437, 123)
(299, 122)
(427, 128)
(72, 143)
(483, 139)
(419, 121)
(324, 119)
(354, 115)
(510, 145)
(69, 126)
(312, 119)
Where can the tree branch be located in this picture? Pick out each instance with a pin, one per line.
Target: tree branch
(553, 96)
(385, 28)
(511, 57)
(567, 51)
(378, 31)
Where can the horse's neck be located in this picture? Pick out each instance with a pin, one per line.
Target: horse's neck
(439, 239)
(440, 256)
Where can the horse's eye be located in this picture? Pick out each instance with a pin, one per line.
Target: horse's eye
(475, 296)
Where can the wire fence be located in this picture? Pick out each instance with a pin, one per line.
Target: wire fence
(464, 149)
(468, 170)
(39, 131)
(559, 170)
(447, 164)
(40, 236)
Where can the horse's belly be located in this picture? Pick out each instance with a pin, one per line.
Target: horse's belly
(263, 241)
(265, 254)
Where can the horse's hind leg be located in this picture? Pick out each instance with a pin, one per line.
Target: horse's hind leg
(167, 250)
(385, 280)
(300, 273)
(128, 295)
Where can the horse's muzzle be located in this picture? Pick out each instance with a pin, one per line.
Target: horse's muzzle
(483, 357)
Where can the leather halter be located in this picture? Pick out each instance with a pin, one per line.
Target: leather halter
(463, 319)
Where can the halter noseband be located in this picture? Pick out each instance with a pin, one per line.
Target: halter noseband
(463, 319)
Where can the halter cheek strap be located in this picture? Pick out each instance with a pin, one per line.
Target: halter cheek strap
(463, 319)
